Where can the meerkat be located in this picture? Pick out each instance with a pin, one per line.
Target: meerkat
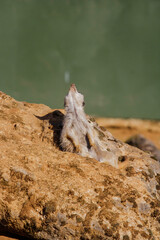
(144, 144)
(82, 135)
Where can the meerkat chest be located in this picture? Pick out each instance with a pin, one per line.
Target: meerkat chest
(79, 128)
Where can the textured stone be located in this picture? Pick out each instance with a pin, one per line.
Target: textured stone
(49, 194)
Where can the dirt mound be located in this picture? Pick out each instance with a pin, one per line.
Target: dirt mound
(50, 194)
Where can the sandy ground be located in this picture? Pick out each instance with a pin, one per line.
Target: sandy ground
(123, 129)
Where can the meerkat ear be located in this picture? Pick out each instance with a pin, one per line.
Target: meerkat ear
(83, 104)
(65, 102)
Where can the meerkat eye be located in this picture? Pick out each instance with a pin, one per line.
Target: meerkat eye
(83, 103)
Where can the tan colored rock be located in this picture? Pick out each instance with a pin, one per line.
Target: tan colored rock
(126, 128)
(49, 194)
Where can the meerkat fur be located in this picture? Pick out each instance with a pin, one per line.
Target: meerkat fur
(83, 136)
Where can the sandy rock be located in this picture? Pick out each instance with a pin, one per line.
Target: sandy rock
(49, 194)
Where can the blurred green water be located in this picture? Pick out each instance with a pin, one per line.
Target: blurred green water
(109, 49)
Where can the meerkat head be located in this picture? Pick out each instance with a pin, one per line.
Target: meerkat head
(74, 101)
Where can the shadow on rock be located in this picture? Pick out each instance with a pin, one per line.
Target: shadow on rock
(5, 232)
(55, 119)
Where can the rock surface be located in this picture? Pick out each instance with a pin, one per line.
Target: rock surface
(50, 194)
(126, 128)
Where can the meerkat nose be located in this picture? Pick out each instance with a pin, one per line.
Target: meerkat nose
(73, 87)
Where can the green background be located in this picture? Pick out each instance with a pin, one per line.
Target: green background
(109, 48)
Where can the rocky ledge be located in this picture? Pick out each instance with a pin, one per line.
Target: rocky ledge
(50, 194)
